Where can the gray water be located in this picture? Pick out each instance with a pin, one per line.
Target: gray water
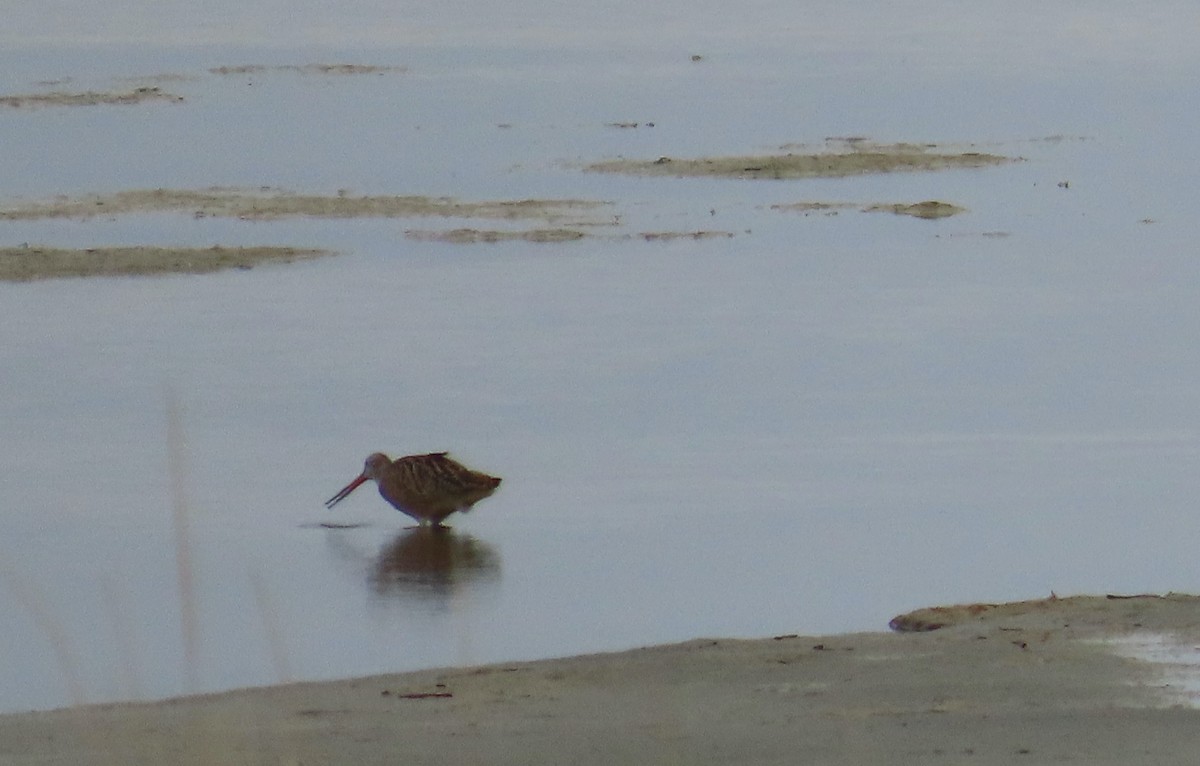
(810, 426)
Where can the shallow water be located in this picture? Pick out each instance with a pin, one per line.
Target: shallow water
(811, 426)
(1176, 665)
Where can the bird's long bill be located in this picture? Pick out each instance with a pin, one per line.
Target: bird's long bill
(346, 490)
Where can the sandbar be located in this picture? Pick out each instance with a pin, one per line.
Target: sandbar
(269, 203)
(32, 262)
(836, 159)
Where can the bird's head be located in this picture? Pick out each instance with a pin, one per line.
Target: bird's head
(374, 466)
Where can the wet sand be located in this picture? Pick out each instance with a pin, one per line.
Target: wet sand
(1030, 683)
(32, 262)
(562, 220)
(929, 209)
(837, 158)
(267, 203)
(87, 98)
(118, 97)
(570, 219)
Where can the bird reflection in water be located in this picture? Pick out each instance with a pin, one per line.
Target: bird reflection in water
(433, 562)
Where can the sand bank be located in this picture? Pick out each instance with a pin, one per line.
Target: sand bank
(1030, 683)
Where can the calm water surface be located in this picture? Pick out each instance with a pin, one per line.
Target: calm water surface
(808, 427)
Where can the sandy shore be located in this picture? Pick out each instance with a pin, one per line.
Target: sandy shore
(1033, 683)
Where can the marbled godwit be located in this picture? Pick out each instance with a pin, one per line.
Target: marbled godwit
(427, 487)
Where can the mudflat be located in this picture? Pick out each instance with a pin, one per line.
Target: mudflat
(1036, 682)
(32, 262)
(837, 158)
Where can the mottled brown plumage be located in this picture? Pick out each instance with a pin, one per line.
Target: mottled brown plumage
(426, 487)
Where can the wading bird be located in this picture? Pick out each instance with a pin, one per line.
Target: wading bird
(426, 487)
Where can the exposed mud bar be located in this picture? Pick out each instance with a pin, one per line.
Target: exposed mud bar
(467, 236)
(139, 95)
(929, 209)
(87, 98)
(307, 69)
(267, 203)
(835, 160)
(668, 236)
(1174, 612)
(27, 263)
